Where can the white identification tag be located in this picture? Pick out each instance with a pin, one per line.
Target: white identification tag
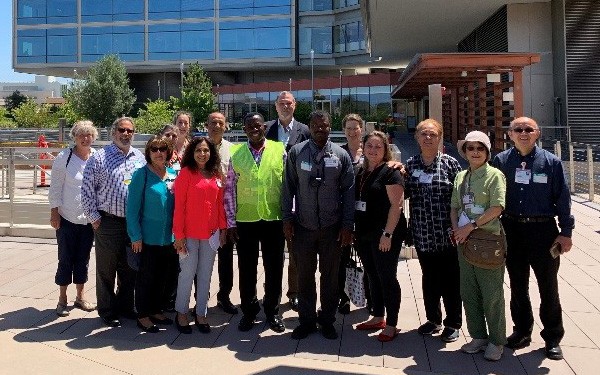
(425, 178)
(468, 198)
(305, 166)
(523, 176)
(331, 162)
(417, 173)
(219, 183)
(477, 210)
(176, 167)
(169, 185)
(127, 178)
(137, 164)
(540, 178)
(360, 206)
(463, 219)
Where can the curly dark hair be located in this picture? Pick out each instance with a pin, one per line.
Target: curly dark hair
(213, 165)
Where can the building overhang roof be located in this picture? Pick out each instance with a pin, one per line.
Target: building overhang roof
(456, 69)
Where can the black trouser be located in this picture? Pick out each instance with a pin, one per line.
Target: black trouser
(308, 246)
(441, 280)
(74, 247)
(171, 270)
(111, 261)
(381, 268)
(269, 235)
(225, 268)
(529, 246)
(151, 279)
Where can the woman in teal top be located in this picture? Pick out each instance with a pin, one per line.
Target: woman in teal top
(477, 202)
(150, 205)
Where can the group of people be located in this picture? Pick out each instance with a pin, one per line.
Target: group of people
(185, 201)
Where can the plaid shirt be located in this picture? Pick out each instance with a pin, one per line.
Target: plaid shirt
(430, 202)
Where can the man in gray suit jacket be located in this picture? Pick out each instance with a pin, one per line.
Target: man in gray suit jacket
(289, 131)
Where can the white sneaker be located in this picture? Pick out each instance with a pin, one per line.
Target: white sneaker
(475, 346)
(493, 352)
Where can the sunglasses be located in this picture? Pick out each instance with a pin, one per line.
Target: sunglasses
(478, 148)
(161, 149)
(170, 135)
(123, 130)
(526, 130)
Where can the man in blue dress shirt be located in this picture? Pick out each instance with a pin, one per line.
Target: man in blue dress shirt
(536, 193)
(106, 177)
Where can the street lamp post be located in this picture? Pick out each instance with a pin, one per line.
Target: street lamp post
(340, 92)
(181, 71)
(312, 77)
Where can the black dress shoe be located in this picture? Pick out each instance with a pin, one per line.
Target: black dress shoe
(227, 306)
(186, 329)
(294, 303)
(276, 324)
(303, 330)
(518, 341)
(111, 321)
(151, 329)
(130, 314)
(166, 321)
(328, 331)
(203, 327)
(344, 307)
(246, 323)
(553, 351)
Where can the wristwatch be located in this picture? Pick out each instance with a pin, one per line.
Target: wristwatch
(475, 226)
(386, 234)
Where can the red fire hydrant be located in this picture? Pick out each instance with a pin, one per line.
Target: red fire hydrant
(44, 155)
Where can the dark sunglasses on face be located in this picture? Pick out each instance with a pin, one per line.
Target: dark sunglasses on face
(161, 149)
(526, 130)
(123, 130)
(478, 148)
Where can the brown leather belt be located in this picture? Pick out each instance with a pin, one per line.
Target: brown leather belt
(528, 219)
(108, 214)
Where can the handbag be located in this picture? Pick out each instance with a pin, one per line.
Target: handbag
(134, 259)
(354, 284)
(483, 248)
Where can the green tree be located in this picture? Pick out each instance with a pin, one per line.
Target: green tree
(14, 100)
(302, 112)
(103, 94)
(196, 94)
(153, 116)
(32, 115)
(67, 112)
(5, 119)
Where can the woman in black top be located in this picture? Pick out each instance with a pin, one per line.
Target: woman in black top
(380, 228)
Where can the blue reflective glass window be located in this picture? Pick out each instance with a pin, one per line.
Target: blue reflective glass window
(128, 43)
(61, 11)
(31, 44)
(61, 59)
(96, 30)
(198, 26)
(315, 5)
(62, 45)
(96, 44)
(90, 58)
(232, 40)
(31, 59)
(272, 38)
(317, 38)
(209, 55)
(31, 12)
(164, 42)
(164, 56)
(164, 27)
(131, 56)
(164, 9)
(197, 8)
(128, 7)
(198, 40)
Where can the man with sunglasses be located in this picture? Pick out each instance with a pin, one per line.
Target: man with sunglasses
(319, 182)
(536, 192)
(103, 195)
(290, 131)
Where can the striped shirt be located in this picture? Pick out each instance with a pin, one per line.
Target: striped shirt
(106, 177)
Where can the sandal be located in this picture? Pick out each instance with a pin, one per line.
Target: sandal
(61, 309)
(84, 305)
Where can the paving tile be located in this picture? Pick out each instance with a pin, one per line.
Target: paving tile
(535, 362)
(581, 360)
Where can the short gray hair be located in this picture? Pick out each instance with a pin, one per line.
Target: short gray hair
(83, 127)
(118, 122)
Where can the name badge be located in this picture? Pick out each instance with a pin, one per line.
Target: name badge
(176, 166)
(477, 209)
(137, 164)
(305, 166)
(331, 162)
(127, 178)
(523, 176)
(425, 178)
(468, 198)
(360, 206)
(463, 219)
(540, 178)
(417, 173)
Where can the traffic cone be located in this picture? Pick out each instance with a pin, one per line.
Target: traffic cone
(43, 144)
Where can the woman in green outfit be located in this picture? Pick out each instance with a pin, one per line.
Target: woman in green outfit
(477, 202)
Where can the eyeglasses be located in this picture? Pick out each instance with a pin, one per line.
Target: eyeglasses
(161, 149)
(170, 135)
(430, 135)
(526, 130)
(478, 148)
(124, 130)
(285, 104)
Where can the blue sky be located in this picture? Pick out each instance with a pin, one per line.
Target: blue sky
(7, 74)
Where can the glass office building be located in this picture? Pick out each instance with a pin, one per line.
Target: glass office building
(236, 41)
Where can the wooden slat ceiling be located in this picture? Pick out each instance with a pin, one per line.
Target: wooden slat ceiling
(448, 69)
